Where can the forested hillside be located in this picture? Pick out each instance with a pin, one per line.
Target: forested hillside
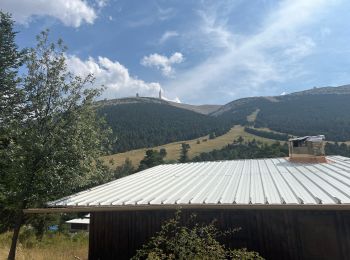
(316, 111)
(147, 122)
(137, 125)
(242, 149)
(327, 114)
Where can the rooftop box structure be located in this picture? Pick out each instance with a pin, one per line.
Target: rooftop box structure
(285, 210)
(307, 149)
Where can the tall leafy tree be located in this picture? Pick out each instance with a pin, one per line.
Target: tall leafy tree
(10, 60)
(152, 158)
(125, 169)
(54, 146)
(184, 153)
(163, 152)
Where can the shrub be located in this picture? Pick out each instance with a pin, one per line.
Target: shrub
(212, 136)
(267, 134)
(191, 241)
(27, 237)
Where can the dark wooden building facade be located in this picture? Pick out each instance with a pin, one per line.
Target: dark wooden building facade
(275, 234)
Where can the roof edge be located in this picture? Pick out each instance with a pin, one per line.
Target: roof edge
(190, 206)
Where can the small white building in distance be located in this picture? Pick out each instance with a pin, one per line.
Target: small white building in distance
(79, 224)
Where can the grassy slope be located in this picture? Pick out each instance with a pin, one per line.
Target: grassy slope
(252, 117)
(173, 149)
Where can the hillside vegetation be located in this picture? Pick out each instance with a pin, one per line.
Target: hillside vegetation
(240, 149)
(312, 112)
(267, 134)
(327, 114)
(145, 122)
(197, 146)
(141, 125)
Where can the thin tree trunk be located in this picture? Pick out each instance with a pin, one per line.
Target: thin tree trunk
(18, 224)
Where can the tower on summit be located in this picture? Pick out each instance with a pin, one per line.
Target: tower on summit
(160, 94)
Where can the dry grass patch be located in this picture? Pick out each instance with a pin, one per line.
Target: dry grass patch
(252, 117)
(53, 247)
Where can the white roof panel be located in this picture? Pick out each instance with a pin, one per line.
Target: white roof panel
(242, 182)
(79, 221)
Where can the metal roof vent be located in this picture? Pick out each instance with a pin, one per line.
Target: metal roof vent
(307, 149)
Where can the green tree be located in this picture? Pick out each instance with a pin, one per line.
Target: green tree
(190, 241)
(212, 135)
(239, 140)
(184, 153)
(10, 61)
(152, 158)
(162, 152)
(124, 170)
(53, 147)
(245, 150)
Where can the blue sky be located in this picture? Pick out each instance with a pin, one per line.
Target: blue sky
(199, 52)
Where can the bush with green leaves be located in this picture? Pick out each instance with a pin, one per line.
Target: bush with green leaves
(191, 241)
(125, 169)
(152, 158)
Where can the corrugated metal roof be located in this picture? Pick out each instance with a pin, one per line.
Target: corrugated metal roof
(239, 182)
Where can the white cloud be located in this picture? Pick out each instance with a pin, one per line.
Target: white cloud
(163, 63)
(114, 76)
(165, 13)
(69, 12)
(101, 3)
(167, 35)
(150, 15)
(216, 33)
(243, 64)
(303, 47)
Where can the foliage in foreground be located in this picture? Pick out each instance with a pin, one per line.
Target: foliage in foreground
(191, 241)
(50, 135)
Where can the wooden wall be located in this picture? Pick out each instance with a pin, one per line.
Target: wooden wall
(275, 234)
